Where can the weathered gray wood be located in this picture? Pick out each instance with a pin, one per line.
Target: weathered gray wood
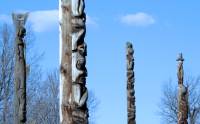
(73, 52)
(20, 69)
(182, 93)
(79, 72)
(66, 63)
(131, 109)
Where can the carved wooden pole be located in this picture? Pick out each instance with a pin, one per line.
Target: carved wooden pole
(130, 84)
(73, 92)
(182, 93)
(20, 69)
(66, 62)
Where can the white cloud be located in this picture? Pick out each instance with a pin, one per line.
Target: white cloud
(40, 21)
(138, 19)
(43, 20)
(46, 20)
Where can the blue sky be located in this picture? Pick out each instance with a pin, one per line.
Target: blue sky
(159, 30)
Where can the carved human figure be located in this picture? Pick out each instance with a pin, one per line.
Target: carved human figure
(182, 93)
(131, 109)
(79, 71)
(79, 90)
(20, 68)
(74, 49)
(129, 54)
(180, 72)
(183, 104)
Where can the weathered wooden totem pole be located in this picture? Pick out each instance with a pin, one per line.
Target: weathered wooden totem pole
(182, 93)
(130, 84)
(73, 51)
(20, 69)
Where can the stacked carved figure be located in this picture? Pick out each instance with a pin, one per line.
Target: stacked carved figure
(20, 69)
(130, 85)
(79, 71)
(73, 89)
(182, 94)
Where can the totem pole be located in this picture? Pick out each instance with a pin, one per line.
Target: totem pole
(130, 84)
(73, 92)
(20, 69)
(182, 93)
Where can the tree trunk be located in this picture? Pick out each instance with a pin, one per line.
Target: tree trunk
(182, 94)
(73, 53)
(130, 85)
(20, 69)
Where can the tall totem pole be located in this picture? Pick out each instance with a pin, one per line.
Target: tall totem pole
(130, 84)
(73, 51)
(182, 93)
(20, 69)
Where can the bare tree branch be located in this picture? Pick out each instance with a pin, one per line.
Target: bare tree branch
(169, 101)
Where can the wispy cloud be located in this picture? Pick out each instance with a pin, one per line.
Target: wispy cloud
(138, 19)
(43, 20)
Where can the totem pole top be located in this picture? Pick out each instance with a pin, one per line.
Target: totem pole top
(129, 44)
(19, 19)
(180, 57)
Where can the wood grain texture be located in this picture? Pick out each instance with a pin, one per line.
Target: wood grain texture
(73, 60)
(66, 62)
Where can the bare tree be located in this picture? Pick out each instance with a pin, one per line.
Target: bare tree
(44, 108)
(93, 104)
(44, 105)
(168, 108)
(6, 73)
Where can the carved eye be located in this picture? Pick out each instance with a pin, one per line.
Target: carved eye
(80, 63)
(82, 49)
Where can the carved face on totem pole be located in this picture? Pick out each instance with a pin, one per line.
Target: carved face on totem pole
(129, 45)
(81, 56)
(129, 54)
(19, 22)
(21, 32)
(180, 72)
